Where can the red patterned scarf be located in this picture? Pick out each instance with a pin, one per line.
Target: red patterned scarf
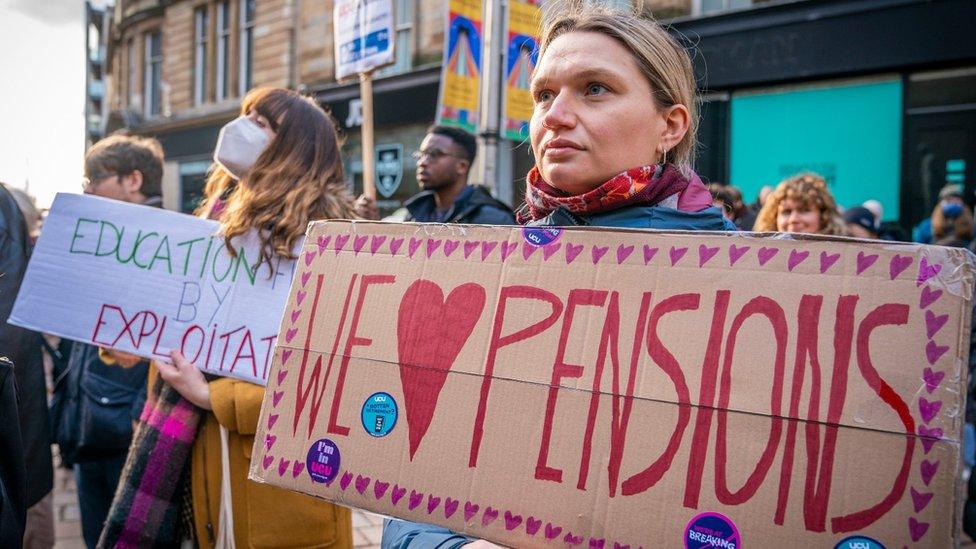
(643, 186)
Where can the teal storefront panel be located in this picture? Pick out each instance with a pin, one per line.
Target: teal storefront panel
(850, 134)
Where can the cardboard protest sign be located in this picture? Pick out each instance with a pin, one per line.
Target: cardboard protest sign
(620, 388)
(145, 280)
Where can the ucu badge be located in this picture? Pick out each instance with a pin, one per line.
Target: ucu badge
(859, 542)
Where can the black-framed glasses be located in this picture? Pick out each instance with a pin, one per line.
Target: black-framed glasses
(89, 183)
(431, 154)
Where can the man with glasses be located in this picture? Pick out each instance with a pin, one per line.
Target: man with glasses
(443, 165)
(130, 169)
(126, 168)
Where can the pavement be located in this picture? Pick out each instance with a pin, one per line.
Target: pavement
(367, 528)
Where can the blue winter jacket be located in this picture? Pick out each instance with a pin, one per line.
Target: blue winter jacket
(401, 534)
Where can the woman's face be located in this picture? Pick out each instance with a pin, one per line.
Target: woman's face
(793, 217)
(594, 115)
(262, 123)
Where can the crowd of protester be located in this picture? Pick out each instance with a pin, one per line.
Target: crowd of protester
(277, 167)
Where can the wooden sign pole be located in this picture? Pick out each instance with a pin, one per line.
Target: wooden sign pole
(369, 168)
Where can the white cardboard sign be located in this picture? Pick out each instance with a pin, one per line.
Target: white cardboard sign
(364, 35)
(144, 281)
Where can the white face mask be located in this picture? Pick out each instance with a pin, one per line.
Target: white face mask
(239, 145)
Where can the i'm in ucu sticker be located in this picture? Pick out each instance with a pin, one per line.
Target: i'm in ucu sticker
(712, 530)
(859, 542)
(323, 460)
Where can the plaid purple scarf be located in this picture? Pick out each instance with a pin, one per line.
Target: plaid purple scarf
(147, 505)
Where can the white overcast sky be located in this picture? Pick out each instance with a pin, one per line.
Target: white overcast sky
(42, 95)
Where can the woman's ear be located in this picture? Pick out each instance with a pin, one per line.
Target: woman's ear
(677, 120)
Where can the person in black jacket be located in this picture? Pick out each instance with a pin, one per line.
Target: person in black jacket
(13, 481)
(23, 348)
(443, 165)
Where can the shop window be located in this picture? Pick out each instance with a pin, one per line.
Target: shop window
(193, 179)
(200, 32)
(848, 131)
(246, 50)
(153, 71)
(403, 12)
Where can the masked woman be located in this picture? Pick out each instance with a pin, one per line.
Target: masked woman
(278, 167)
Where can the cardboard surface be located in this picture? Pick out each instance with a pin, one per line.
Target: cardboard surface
(145, 280)
(615, 388)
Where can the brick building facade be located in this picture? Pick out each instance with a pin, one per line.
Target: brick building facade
(177, 70)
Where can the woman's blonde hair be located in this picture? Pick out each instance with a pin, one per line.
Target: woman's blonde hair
(298, 178)
(810, 192)
(659, 57)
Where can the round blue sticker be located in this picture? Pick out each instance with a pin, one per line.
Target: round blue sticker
(712, 530)
(323, 461)
(379, 414)
(541, 236)
(859, 542)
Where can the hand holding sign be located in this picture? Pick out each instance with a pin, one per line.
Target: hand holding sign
(187, 379)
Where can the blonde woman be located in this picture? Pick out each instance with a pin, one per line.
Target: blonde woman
(613, 134)
(801, 204)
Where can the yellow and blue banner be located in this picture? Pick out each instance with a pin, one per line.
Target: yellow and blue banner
(461, 72)
(522, 54)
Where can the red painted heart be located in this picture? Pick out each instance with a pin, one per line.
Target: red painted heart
(470, 510)
(917, 529)
(898, 265)
(379, 488)
(705, 254)
(572, 250)
(416, 498)
(470, 246)
(397, 494)
(765, 254)
(865, 261)
(929, 437)
(932, 379)
(623, 252)
(934, 323)
(928, 410)
(570, 539)
(597, 543)
(450, 507)
(489, 516)
(340, 243)
(676, 254)
(597, 253)
(736, 253)
(796, 257)
(532, 525)
(512, 521)
(358, 243)
(272, 419)
(928, 470)
(552, 532)
(919, 500)
(395, 245)
(362, 483)
(933, 351)
(375, 243)
(827, 261)
(487, 248)
(649, 253)
(297, 469)
(928, 297)
(550, 249)
(432, 503)
(425, 361)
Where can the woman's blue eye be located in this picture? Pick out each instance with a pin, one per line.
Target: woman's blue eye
(544, 95)
(595, 89)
